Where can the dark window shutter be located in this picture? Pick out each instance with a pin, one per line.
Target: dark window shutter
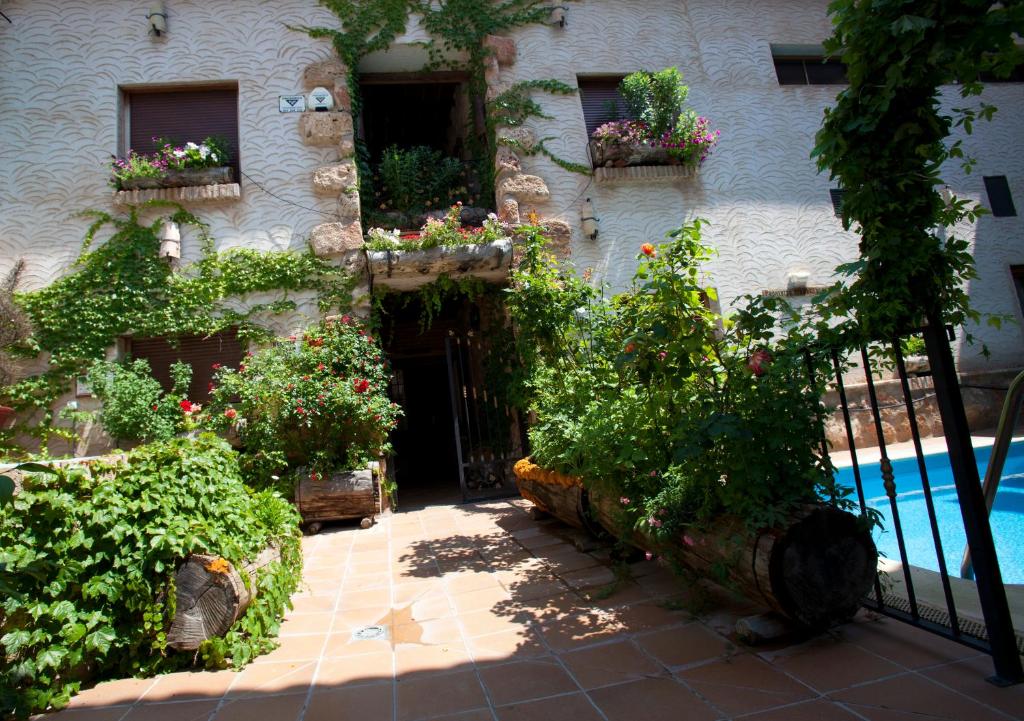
(201, 352)
(598, 96)
(1018, 282)
(182, 116)
(790, 72)
(828, 72)
(999, 198)
(837, 201)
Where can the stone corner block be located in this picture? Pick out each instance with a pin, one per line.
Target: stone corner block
(335, 178)
(332, 239)
(524, 187)
(503, 49)
(325, 129)
(324, 73)
(559, 234)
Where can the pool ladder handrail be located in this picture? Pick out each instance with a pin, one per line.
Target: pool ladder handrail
(996, 461)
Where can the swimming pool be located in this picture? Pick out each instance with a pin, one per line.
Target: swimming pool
(1007, 517)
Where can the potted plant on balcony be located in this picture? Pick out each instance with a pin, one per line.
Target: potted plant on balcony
(661, 132)
(173, 166)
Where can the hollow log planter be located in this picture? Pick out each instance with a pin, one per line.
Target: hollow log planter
(343, 495)
(814, 568)
(210, 595)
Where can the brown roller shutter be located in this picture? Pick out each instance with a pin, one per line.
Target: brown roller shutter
(598, 95)
(182, 116)
(201, 352)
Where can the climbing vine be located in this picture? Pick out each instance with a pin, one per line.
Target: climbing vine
(886, 141)
(123, 287)
(455, 27)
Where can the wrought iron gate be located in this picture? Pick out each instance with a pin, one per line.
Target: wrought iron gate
(486, 437)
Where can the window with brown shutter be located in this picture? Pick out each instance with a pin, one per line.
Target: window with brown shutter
(201, 352)
(602, 101)
(181, 115)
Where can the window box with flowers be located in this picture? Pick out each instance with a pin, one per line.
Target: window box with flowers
(662, 132)
(172, 168)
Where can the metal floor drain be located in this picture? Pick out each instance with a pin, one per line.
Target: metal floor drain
(369, 633)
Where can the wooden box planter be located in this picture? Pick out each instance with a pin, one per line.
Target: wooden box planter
(342, 496)
(182, 179)
(814, 568)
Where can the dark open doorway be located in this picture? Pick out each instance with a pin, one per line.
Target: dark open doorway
(457, 441)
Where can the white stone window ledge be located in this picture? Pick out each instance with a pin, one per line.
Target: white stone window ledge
(188, 194)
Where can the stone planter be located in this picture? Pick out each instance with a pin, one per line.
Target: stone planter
(618, 155)
(182, 179)
(6, 417)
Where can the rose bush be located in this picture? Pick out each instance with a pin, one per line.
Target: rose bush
(318, 401)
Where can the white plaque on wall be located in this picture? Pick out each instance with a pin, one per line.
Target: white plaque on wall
(291, 103)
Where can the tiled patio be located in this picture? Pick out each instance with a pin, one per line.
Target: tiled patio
(493, 616)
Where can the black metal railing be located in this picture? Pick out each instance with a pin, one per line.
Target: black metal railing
(994, 634)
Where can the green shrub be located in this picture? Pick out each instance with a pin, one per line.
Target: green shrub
(135, 408)
(418, 179)
(87, 559)
(656, 99)
(319, 401)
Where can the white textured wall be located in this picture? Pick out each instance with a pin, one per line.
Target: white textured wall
(63, 60)
(769, 209)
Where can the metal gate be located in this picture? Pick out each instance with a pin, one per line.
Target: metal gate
(486, 429)
(993, 633)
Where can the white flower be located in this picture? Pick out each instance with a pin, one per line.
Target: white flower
(191, 146)
(179, 153)
(204, 152)
(492, 216)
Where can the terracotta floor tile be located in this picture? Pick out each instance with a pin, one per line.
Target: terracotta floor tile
(412, 660)
(349, 670)
(369, 582)
(587, 578)
(478, 715)
(969, 677)
(644, 616)
(262, 708)
(611, 663)
(464, 581)
(819, 710)
(112, 693)
(100, 713)
(312, 604)
(914, 694)
(827, 664)
(684, 645)
(306, 623)
(485, 599)
(580, 629)
(342, 644)
(186, 711)
(434, 632)
(295, 648)
(406, 593)
(264, 678)
(661, 699)
(506, 646)
(431, 607)
(526, 680)
(481, 623)
(903, 644)
(347, 620)
(361, 703)
(436, 695)
(374, 598)
(744, 684)
(574, 706)
(186, 686)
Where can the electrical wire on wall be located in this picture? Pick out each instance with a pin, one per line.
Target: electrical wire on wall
(285, 200)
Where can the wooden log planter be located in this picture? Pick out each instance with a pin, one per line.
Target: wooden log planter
(210, 595)
(342, 496)
(562, 496)
(814, 568)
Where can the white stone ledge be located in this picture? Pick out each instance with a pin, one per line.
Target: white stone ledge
(190, 194)
(642, 173)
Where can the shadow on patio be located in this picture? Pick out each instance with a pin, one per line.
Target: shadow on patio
(491, 615)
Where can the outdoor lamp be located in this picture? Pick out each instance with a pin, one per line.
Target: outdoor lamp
(157, 20)
(590, 226)
(557, 16)
(170, 240)
(796, 281)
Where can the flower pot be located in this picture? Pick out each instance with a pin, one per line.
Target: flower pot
(182, 178)
(6, 417)
(621, 155)
(917, 365)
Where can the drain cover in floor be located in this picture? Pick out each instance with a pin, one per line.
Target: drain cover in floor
(369, 633)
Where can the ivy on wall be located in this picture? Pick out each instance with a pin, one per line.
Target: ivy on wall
(455, 27)
(123, 287)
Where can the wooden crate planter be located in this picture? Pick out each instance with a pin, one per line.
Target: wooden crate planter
(342, 496)
(814, 568)
(182, 179)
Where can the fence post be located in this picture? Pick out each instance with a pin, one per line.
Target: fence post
(991, 593)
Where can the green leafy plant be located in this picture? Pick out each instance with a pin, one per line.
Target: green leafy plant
(135, 408)
(319, 401)
(87, 561)
(513, 107)
(418, 179)
(655, 99)
(210, 153)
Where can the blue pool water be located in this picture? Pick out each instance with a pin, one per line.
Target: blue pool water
(1007, 517)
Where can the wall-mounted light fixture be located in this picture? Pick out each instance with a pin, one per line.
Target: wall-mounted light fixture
(796, 281)
(157, 20)
(558, 16)
(170, 240)
(320, 100)
(589, 222)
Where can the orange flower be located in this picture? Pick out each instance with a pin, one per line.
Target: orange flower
(630, 347)
(648, 250)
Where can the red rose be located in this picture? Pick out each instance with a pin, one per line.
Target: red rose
(320, 367)
(630, 347)
(154, 406)
(648, 250)
(186, 406)
(759, 361)
(241, 368)
(360, 385)
(230, 414)
(216, 366)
